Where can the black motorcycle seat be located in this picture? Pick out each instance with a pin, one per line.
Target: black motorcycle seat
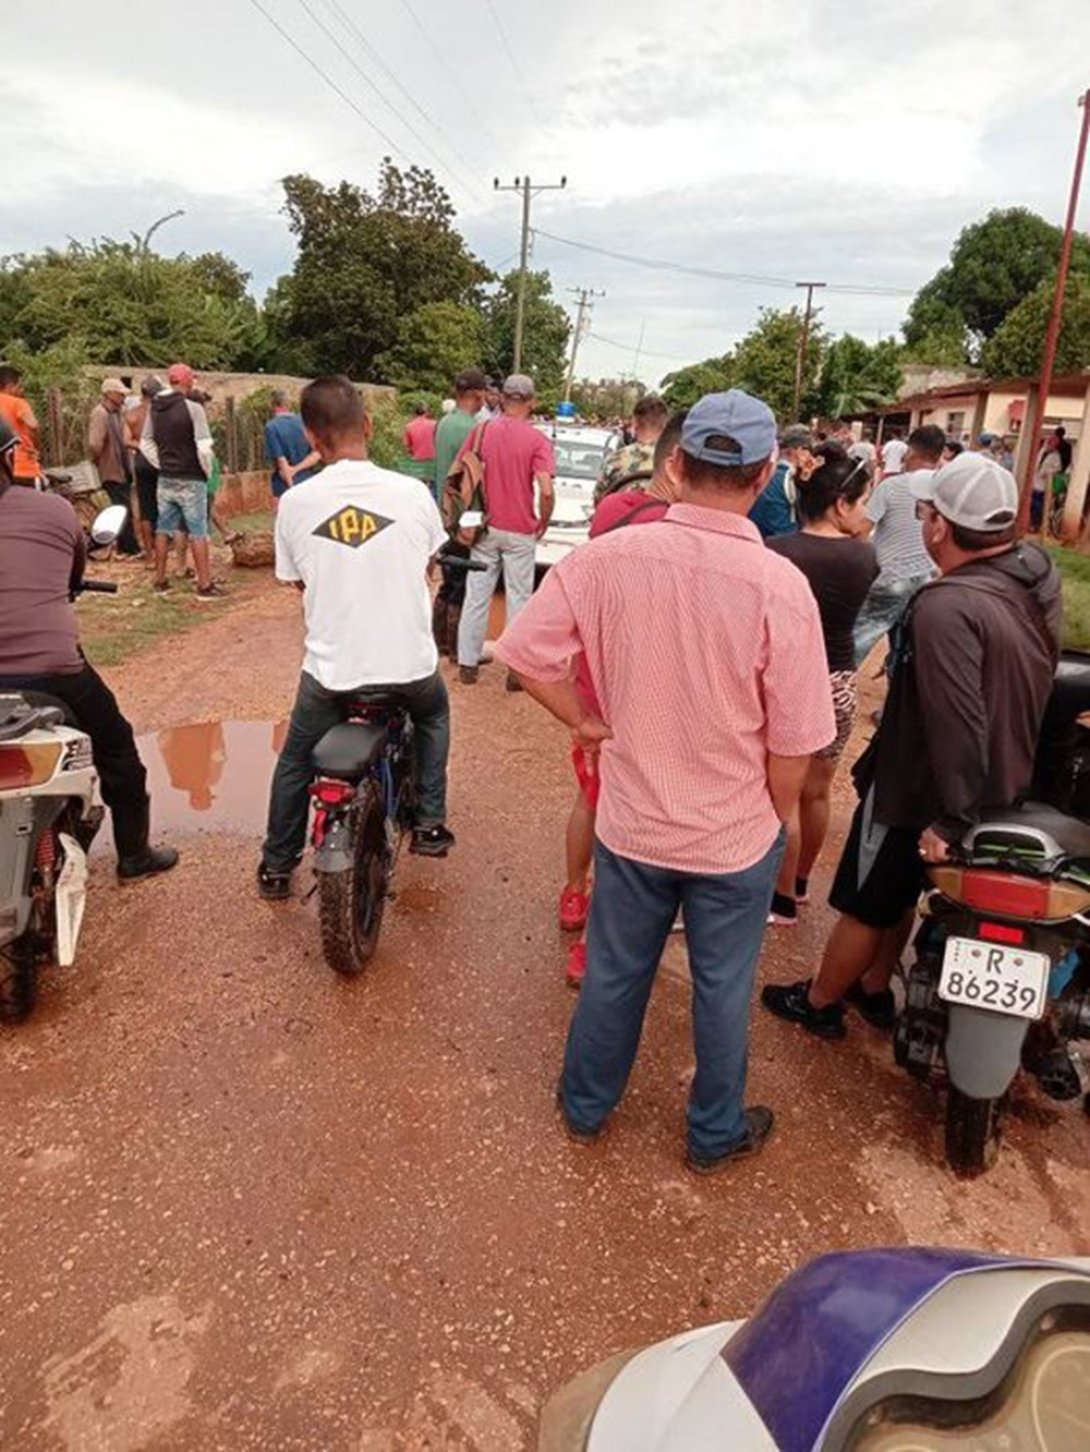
(349, 749)
(1071, 833)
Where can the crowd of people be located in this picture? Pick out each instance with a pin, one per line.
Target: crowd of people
(704, 663)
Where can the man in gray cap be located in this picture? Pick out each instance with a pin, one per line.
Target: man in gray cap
(107, 448)
(518, 461)
(705, 655)
(971, 679)
(774, 512)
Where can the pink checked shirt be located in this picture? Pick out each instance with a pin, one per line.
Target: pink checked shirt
(706, 653)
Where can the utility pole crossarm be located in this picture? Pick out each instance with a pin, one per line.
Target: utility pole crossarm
(527, 190)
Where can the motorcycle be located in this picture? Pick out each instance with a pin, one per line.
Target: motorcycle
(1001, 978)
(50, 812)
(364, 803)
(905, 1350)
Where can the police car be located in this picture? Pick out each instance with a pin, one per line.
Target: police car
(580, 453)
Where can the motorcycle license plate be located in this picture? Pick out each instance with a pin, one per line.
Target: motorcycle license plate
(986, 975)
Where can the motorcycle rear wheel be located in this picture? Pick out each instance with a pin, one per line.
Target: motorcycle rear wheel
(351, 903)
(973, 1131)
(18, 979)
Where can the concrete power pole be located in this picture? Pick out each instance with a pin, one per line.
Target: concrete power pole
(528, 191)
(804, 340)
(584, 294)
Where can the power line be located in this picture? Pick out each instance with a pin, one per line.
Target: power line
(516, 64)
(330, 82)
(716, 275)
(458, 81)
(320, 23)
(627, 348)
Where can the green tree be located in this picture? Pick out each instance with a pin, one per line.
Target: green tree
(546, 328)
(764, 361)
(993, 265)
(434, 343)
(1018, 345)
(856, 376)
(366, 262)
(684, 387)
(118, 303)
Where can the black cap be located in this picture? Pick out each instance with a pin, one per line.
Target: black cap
(471, 381)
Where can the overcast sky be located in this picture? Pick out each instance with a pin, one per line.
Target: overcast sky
(816, 139)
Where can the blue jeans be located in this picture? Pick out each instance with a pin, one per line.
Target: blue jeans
(314, 712)
(882, 612)
(632, 910)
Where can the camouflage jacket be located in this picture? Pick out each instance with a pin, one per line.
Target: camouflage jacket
(629, 459)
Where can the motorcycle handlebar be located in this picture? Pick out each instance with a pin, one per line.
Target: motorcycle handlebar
(459, 562)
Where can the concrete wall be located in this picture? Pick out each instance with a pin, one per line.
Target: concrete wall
(249, 493)
(234, 385)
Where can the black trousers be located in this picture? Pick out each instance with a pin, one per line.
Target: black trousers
(127, 543)
(122, 778)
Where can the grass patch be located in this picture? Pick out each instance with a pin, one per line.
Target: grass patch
(115, 627)
(262, 520)
(1074, 569)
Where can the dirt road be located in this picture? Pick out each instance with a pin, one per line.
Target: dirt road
(248, 1205)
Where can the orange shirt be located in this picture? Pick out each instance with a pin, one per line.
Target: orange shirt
(27, 463)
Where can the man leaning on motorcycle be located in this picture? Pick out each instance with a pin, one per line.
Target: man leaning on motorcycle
(42, 556)
(969, 686)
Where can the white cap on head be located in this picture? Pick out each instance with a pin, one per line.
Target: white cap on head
(973, 491)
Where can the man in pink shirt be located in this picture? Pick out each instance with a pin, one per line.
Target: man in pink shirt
(418, 439)
(706, 655)
(518, 463)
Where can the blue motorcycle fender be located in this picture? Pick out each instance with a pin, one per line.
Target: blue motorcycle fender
(335, 853)
(983, 1050)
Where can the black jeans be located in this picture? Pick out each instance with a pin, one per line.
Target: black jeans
(122, 494)
(314, 712)
(121, 774)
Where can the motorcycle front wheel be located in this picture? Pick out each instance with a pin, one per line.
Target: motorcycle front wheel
(351, 902)
(973, 1131)
(18, 978)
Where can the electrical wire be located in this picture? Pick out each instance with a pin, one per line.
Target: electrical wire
(320, 23)
(464, 96)
(330, 82)
(632, 348)
(516, 64)
(718, 276)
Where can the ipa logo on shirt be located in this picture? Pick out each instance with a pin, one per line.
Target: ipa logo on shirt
(352, 526)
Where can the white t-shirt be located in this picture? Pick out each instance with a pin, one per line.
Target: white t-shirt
(893, 456)
(360, 538)
(898, 534)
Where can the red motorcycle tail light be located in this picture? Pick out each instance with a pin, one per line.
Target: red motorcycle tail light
(1007, 895)
(332, 793)
(29, 764)
(1001, 933)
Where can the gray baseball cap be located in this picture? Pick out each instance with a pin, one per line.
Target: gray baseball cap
(519, 385)
(973, 491)
(734, 415)
(796, 436)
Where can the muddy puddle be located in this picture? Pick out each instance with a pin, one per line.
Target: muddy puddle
(211, 775)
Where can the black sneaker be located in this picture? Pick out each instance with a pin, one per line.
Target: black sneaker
(431, 841)
(212, 591)
(879, 1009)
(513, 682)
(759, 1123)
(161, 586)
(784, 912)
(792, 1002)
(467, 675)
(273, 886)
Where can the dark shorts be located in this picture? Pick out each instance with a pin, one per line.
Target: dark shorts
(891, 886)
(147, 491)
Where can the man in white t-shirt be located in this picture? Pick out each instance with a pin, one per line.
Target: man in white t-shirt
(893, 453)
(903, 561)
(357, 541)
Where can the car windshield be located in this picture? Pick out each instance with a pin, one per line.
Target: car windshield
(576, 460)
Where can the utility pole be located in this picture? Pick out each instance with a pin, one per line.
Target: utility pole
(1039, 403)
(584, 294)
(804, 340)
(145, 246)
(528, 191)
